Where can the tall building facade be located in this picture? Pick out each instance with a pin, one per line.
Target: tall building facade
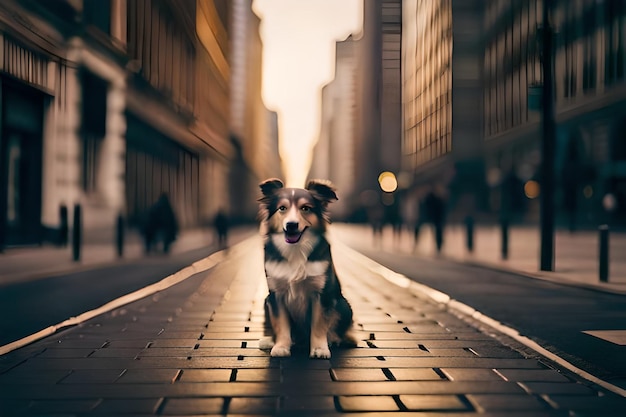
(252, 125)
(106, 105)
(590, 99)
(334, 152)
(364, 105)
(442, 130)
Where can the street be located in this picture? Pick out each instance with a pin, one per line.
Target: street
(193, 349)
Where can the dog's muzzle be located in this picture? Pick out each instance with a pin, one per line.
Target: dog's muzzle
(293, 233)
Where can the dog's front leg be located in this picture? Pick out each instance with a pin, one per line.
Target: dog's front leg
(319, 331)
(282, 332)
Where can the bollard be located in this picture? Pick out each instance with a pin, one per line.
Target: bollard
(63, 226)
(76, 234)
(603, 255)
(469, 223)
(505, 238)
(119, 236)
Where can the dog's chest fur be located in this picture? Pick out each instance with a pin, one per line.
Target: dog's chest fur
(292, 275)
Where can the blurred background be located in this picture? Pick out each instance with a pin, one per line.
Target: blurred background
(108, 104)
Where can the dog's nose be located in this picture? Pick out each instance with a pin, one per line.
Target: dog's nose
(291, 227)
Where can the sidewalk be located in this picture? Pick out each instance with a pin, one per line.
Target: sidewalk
(31, 263)
(575, 254)
(192, 349)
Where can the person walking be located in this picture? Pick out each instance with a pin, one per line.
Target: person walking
(435, 207)
(161, 224)
(222, 224)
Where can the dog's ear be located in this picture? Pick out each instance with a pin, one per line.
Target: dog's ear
(269, 186)
(323, 190)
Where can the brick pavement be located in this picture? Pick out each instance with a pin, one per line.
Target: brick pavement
(193, 350)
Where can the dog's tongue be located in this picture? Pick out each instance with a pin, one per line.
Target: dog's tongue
(292, 238)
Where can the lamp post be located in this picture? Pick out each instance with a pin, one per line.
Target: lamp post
(547, 144)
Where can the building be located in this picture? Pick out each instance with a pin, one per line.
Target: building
(442, 129)
(106, 105)
(253, 128)
(590, 98)
(361, 124)
(334, 152)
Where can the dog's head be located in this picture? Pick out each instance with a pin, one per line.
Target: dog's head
(294, 211)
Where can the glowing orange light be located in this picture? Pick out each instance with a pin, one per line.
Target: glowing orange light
(531, 189)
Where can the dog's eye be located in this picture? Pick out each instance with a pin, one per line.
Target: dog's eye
(305, 209)
(282, 208)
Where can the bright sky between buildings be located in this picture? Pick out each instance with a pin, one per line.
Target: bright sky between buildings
(298, 60)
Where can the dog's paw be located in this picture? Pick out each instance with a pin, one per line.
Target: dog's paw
(279, 351)
(322, 352)
(266, 343)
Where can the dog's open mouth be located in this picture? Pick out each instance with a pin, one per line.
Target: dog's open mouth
(293, 236)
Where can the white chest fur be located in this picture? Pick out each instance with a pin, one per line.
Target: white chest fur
(295, 279)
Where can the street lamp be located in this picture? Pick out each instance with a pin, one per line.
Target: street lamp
(547, 144)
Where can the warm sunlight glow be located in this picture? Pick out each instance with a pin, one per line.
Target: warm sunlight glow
(298, 59)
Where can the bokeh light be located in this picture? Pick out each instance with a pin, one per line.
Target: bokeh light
(388, 182)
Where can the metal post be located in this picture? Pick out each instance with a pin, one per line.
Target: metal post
(63, 226)
(119, 236)
(76, 233)
(603, 255)
(547, 145)
(469, 223)
(505, 238)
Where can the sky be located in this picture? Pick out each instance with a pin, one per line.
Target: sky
(298, 60)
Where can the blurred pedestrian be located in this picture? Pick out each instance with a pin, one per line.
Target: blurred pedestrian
(161, 225)
(376, 218)
(434, 207)
(222, 224)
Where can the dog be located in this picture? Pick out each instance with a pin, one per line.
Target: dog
(305, 300)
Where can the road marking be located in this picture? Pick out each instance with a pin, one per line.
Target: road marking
(614, 336)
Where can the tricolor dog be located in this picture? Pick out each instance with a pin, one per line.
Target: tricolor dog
(305, 302)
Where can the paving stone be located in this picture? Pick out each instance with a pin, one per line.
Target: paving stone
(367, 403)
(414, 374)
(62, 406)
(205, 375)
(290, 376)
(341, 374)
(586, 405)
(307, 403)
(537, 375)
(93, 376)
(487, 402)
(259, 375)
(163, 352)
(146, 406)
(374, 352)
(556, 388)
(132, 344)
(253, 405)
(434, 403)
(142, 376)
(495, 351)
(129, 353)
(471, 374)
(228, 343)
(189, 406)
(19, 376)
